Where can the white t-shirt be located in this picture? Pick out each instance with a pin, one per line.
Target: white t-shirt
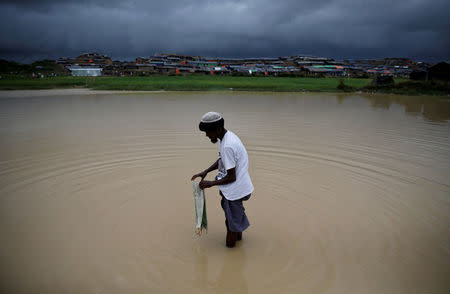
(232, 153)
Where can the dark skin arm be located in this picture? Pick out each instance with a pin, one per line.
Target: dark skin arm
(229, 178)
(203, 174)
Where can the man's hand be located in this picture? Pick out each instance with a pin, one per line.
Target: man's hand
(202, 175)
(205, 184)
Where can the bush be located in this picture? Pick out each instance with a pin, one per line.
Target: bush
(346, 88)
(413, 88)
(383, 81)
(239, 74)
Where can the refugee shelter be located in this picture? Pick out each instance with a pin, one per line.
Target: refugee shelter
(86, 71)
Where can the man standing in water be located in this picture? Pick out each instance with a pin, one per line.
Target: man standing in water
(233, 179)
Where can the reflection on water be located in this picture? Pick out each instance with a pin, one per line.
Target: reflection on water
(436, 109)
(351, 193)
(231, 278)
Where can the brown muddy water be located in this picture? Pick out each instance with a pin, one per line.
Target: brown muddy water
(352, 193)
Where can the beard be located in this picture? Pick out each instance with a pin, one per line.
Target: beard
(214, 140)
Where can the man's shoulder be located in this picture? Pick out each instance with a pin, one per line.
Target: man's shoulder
(231, 140)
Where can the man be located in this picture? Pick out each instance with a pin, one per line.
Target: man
(233, 179)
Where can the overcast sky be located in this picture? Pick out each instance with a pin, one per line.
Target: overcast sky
(126, 29)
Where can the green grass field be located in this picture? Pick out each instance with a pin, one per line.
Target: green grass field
(202, 83)
(183, 83)
(193, 83)
(17, 83)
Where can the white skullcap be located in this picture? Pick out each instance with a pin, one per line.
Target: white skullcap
(211, 117)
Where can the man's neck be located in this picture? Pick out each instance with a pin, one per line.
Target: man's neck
(222, 134)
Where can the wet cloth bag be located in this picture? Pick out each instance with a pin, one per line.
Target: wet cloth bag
(201, 222)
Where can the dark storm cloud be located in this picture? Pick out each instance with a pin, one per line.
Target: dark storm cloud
(410, 28)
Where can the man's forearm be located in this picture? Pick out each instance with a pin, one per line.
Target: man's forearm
(214, 166)
(229, 178)
(225, 180)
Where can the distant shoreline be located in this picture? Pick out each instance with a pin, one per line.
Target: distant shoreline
(202, 83)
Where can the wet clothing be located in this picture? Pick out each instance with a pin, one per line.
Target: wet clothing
(235, 213)
(200, 209)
